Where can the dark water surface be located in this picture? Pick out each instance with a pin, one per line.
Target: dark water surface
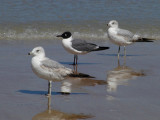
(43, 19)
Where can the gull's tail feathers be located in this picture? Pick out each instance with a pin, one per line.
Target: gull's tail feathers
(101, 48)
(145, 40)
(81, 75)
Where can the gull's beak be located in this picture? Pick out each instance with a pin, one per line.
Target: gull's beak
(59, 36)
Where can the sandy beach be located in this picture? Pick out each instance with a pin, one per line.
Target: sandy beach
(134, 94)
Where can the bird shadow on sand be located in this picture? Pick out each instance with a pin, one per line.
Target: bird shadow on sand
(44, 93)
(121, 55)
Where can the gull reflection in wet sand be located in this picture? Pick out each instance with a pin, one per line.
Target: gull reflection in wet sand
(78, 82)
(51, 114)
(120, 76)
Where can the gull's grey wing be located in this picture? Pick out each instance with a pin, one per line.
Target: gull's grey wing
(125, 33)
(53, 66)
(82, 45)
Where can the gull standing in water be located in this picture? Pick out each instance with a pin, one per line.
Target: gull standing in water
(122, 37)
(78, 47)
(49, 69)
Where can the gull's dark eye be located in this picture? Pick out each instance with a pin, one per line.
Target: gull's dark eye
(113, 23)
(65, 35)
(37, 50)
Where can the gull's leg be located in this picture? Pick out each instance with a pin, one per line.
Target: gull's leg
(124, 55)
(125, 51)
(124, 64)
(76, 68)
(118, 52)
(118, 63)
(49, 104)
(49, 88)
(76, 59)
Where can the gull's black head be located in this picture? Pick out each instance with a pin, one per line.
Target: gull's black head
(65, 35)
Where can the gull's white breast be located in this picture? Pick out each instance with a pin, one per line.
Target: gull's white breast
(117, 39)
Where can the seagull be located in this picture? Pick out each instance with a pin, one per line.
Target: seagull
(78, 47)
(49, 69)
(122, 37)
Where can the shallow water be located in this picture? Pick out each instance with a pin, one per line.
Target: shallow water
(133, 97)
(39, 19)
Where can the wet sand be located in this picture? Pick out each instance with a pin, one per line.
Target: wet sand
(132, 92)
